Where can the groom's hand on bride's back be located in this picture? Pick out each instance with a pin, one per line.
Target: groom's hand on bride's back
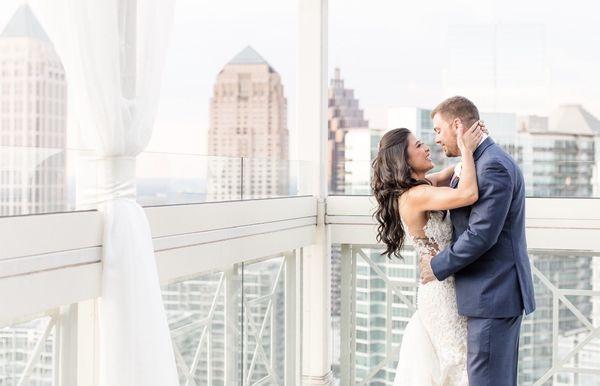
(426, 271)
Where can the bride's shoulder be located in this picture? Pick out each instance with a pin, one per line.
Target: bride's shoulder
(408, 199)
(415, 193)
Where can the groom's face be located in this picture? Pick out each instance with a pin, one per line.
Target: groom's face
(445, 135)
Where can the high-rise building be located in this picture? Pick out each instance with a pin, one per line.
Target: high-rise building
(18, 343)
(248, 118)
(33, 109)
(33, 115)
(563, 270)
(560, 158)
(344, 115)
(373, 297)
(188, 305)
(347, 162)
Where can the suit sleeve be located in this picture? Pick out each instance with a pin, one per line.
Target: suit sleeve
(486, 221)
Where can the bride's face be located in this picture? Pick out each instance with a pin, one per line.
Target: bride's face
(419, 155)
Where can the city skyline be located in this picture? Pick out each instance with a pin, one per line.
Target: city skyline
(245, 295)
(183, 108)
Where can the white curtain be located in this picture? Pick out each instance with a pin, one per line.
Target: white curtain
(121, 47)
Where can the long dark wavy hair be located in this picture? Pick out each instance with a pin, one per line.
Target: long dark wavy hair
(391, 178)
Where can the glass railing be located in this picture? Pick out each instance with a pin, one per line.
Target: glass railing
(233, 326)
(204, 325)
(41, 180)
(373, 299)
(168, 179)
(548, 179)
(44, 180)
(29, 352)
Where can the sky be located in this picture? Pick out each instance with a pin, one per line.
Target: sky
(510, 56)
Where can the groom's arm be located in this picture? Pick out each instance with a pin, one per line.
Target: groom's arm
(486, 221)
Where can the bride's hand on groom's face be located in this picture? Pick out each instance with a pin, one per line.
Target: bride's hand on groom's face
(468, 139)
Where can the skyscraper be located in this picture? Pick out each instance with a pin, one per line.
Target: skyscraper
(559, 153)
(343, 116)
(248, 118)
(33, 115)
(33, 109)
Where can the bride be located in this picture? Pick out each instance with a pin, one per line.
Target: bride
(414, 204)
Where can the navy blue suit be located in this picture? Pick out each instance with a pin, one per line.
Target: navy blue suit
(488, 258)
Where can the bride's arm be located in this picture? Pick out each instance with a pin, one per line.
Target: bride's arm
(441, 178)
(426, 198)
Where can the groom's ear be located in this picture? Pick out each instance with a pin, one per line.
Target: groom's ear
(456, 123)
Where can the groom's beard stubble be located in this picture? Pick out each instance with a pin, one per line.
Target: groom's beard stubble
(450, 153)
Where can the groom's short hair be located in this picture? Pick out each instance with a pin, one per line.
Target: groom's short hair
(458, 107)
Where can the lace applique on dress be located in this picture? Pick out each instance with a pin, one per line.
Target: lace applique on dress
(436, 302)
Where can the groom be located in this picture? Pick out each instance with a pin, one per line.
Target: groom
(488, 254)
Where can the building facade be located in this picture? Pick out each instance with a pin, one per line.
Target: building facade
(343, 115)
(33, 119)
(248, 135)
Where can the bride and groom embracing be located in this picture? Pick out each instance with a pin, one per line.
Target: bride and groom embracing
(467, 226)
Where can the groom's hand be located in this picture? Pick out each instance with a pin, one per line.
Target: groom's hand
(426, 271)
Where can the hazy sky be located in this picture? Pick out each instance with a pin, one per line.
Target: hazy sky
(392, 53)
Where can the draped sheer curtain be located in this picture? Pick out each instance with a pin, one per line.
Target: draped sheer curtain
(114, 52)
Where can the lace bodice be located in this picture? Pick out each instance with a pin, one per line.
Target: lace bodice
(436, 302)
(438, 234)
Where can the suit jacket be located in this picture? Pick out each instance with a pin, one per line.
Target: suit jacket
(488, 255)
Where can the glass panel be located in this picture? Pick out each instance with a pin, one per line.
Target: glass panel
(205, 327)
(35, 180)
(550, 178)
(33, 117)
(232, 96)
(571, 278)
(558, 273)
(21, 343)
(264, 178)
(168, 179)
(239, 101)
(264, 315)
(383, 292)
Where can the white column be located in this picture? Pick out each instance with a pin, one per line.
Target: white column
(312, 124)
(87, 343)
(66, 340)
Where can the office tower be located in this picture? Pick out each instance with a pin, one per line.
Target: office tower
(33, 109)
(373, 297)
(248, 118)
(563, 270)
(33, 116)
(560, 159)
(344, 115)
(188, 304)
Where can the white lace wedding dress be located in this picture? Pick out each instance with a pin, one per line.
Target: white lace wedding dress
(434, 344)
